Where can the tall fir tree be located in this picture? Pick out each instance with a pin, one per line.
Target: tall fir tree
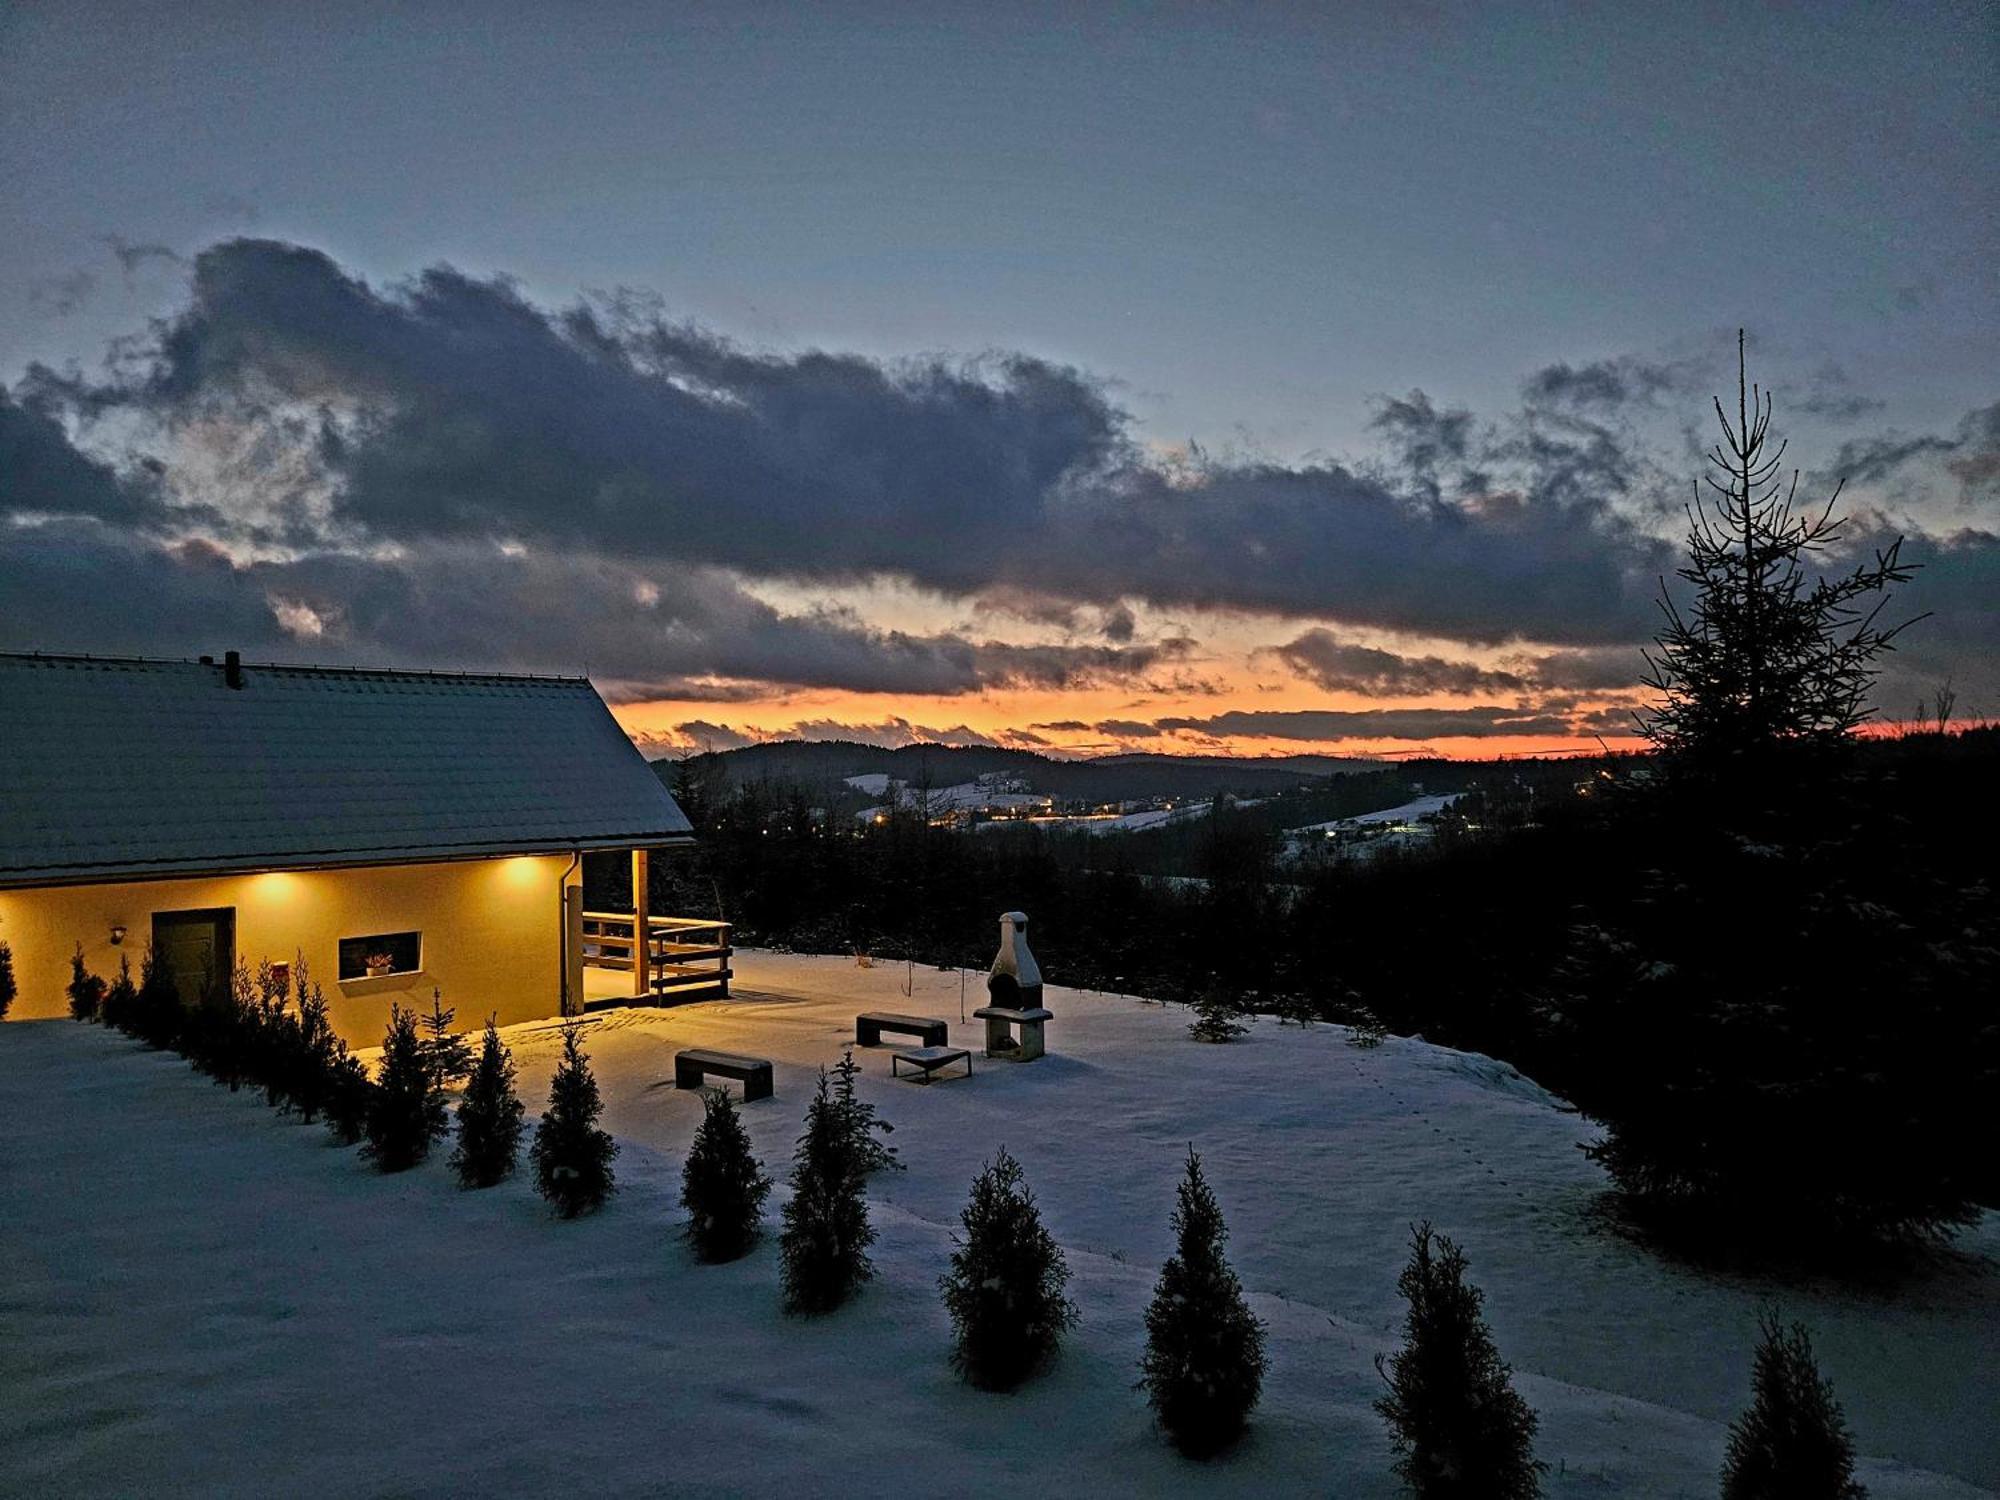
(1459, 1429)
(489, 1117)
(722, 1186)
(8, 987)
(1205, 1361)
(1770, 653)
(85, 989)
(409, 1112)
(572, 1156)
(1792, 1443)
(823, 1252)
(858, 1119)
(449, 1053)
(1005, 1287)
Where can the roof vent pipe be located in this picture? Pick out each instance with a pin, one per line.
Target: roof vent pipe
(232, 668)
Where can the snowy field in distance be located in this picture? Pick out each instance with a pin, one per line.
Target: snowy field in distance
(1408, 812)
(203, 1298)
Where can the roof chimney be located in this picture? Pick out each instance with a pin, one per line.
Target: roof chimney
(232, 668)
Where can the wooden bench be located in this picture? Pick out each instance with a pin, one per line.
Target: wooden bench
(1000, 1023)
(695, 1063)
(927, 1060)
(869, 1026)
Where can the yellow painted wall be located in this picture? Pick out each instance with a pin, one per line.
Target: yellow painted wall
(492, 934)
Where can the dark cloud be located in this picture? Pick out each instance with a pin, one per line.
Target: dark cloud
(43, 474)
(1872, 460)
(452, 409)
(1423, 438)
(443, 470)
(891, 733)
(707, 736)
(1063, 726)
(1128, 729)
(1971, 455)
(64, 294)
(1343, 666)
(135, 257)
(1830, 394)
(1607, 383)
(1372, 724)
(1957, 589)
(644, 633)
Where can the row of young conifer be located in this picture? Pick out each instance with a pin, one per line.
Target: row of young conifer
(269, 1030)
(1456, 1423)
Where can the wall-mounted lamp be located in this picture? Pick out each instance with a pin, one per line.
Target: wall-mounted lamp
(117, 933)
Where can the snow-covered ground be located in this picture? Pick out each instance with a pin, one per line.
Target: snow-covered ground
(199, 1297)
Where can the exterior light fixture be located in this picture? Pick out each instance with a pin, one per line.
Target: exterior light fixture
(117, 933)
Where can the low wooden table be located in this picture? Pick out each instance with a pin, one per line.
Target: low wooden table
(1000, 1023)
(927, 1060)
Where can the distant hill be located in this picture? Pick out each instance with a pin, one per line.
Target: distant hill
(1111, 778)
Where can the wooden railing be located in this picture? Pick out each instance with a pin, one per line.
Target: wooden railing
(682, 955)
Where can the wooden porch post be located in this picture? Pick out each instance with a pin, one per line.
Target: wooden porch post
(642, 938)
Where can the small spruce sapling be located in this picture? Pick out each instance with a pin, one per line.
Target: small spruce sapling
(1460, 1430)
(157, 1009)
(489, 1117)
(450, 1054)
(316, 1052)
(349, 1097)
(1295, 1009)
(121, 999)
(572, 1156)
(1205, 1360)
(1793, 1440)
(722, 1186)
(1215, 1016)
(1365, 1028)
(86, 990)
(408, 1111)
(8, 989)
(858, 1119)
(823, 1252)
(1005, 1287)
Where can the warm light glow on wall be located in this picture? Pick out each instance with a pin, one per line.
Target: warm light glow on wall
(521, 870)
(276, 886)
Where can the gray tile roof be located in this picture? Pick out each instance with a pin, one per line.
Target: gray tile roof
(120, 769)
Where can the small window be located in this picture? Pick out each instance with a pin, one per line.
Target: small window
(380, 956)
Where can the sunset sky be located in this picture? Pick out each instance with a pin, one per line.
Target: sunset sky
(1256, 379)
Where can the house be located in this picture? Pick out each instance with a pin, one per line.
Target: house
(398, 831)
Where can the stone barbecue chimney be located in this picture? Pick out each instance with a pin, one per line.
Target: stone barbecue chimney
(1016, 980)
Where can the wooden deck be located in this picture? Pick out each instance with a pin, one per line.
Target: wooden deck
(686, 958)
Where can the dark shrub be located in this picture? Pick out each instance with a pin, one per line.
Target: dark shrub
(1205, 1360)
(408, 1111)
(86, 990)
(722, 1187)
(1792, 1443)
(823, 1253)
(1459, 1429)
(489, 1117)
(572, 1156)
(1005, 1287)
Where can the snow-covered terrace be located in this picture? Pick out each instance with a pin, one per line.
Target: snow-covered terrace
(202, 1297)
